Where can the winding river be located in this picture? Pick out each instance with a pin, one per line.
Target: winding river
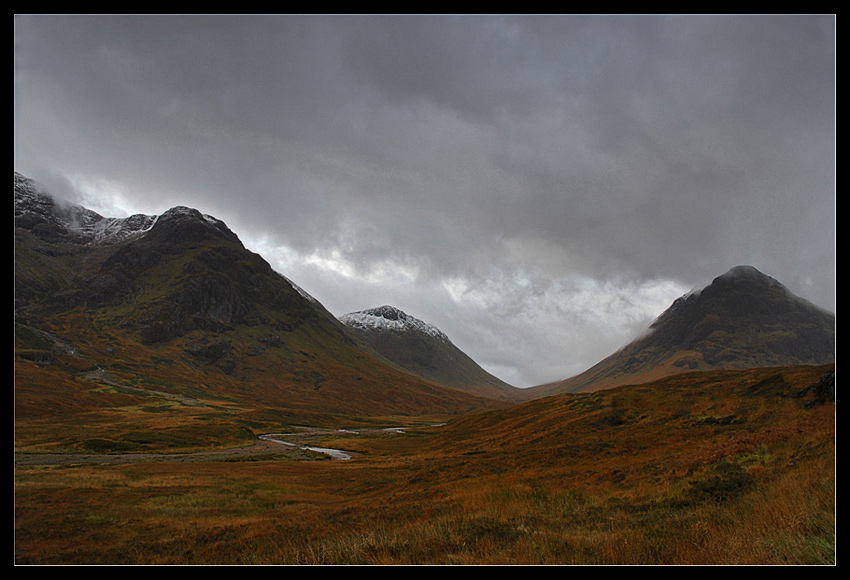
(284, 439)
(334, 453)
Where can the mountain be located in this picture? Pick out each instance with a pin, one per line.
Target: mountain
(177, 301)
(743, 319)
(423, 350)
(56, 222)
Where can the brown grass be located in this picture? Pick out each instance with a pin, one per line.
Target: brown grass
(710, 468)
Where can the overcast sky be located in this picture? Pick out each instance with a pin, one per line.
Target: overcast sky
(540, 188)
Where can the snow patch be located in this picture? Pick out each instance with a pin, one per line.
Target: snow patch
(298, 289)
(92, 227)
(390, 319)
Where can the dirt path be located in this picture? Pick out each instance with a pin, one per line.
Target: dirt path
(103, 376)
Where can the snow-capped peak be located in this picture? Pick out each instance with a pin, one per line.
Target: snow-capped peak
(389, 318)
(89, 226)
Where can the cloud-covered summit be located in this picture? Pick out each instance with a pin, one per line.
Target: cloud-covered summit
(532, 176)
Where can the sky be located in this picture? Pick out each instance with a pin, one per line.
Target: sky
(540, 188)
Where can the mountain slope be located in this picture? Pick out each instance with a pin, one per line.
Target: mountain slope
(648, 416)
(177, 300)
(743, 319)
(423, 350)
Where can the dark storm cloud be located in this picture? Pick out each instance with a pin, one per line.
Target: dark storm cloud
(515, 167)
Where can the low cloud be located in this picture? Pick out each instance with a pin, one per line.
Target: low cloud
(493, 175)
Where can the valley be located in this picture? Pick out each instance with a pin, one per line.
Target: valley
(732, 467)
(177, 402)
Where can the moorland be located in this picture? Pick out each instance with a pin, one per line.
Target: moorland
(721, 467)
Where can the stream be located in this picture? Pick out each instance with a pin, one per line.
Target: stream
(337, 454)
(333, 453)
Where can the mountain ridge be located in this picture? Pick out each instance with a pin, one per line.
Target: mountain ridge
(72, 257)
(179, 299)
(35, 206)
(742, 319)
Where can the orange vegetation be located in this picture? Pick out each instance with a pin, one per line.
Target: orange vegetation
(727, 467)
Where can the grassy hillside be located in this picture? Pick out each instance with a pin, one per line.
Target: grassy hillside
(732, 467)
(112, 391)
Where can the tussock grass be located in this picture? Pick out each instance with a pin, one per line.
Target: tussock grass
(664, 488)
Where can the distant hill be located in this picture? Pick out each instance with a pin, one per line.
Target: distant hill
(743, 319)
(423, 350)
(177, 300)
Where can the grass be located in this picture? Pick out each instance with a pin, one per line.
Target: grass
(673, 481)
(271, 517)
